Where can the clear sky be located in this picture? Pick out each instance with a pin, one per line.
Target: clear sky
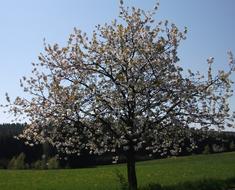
(25, 23)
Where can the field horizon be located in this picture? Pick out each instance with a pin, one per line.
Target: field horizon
(167, 172)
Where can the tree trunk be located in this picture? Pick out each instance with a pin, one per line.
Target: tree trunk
(131, 173)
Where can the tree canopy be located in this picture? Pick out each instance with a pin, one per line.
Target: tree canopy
(121, 89)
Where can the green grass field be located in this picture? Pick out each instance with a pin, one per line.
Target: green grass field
(167, 172)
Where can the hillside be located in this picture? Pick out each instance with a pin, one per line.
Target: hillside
(216, 169)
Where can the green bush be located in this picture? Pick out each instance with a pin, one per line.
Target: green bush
(218, 148)
(53, 163)
(18, 162)
(207, 150)
(122, 180)
(37, 165)
(231, 146)
(44, 163)
(11, 164)
(40, 164)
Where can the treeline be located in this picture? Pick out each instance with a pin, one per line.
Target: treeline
(14, 154)
(217, 142)
(10, 147)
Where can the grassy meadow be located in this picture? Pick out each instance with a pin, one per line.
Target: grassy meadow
(169, 173)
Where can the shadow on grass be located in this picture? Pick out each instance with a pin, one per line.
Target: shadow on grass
(207, 184)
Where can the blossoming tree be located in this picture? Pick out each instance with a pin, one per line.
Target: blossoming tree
(121, 89)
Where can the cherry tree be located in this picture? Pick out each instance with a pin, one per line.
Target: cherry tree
(122, 88)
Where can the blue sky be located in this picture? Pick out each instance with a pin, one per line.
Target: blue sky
(25, 23)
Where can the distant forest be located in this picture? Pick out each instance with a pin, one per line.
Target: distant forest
(39, 156)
